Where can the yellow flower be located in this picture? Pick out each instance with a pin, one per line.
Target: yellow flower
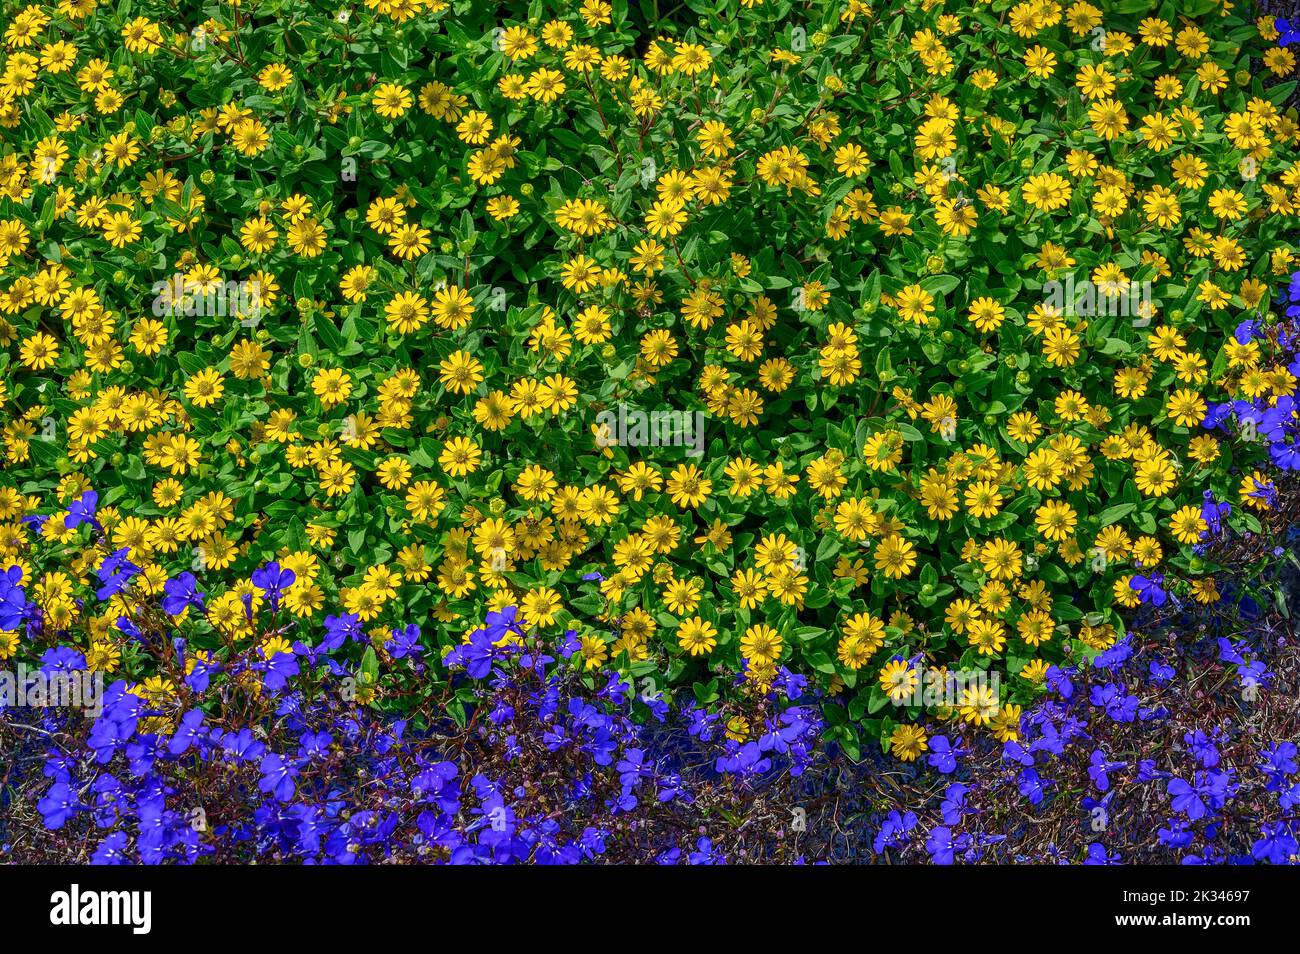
(761, 644)
(390, 100)
(895, 556)
(908, 742)
(697, 636)
(898, 680)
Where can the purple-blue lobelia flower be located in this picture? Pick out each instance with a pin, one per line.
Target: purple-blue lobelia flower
(277, 777)
(953, 806)
(1276, 845)
(112, 850)
(186, 733)
(943, 846)
(201, 671)
(1280, 762)
(58, 805)
(704, 853)
(1213, 512)
(1202, 748)
(570, 644)
(1013, 753)
(1175, 834)
(893, 830)
(180, 593)
(1058, 680)
(1031, 786)
(745, 760)
(1099, 769)
(278, 669)
(242, 746)
(1186, 799)
(1230, 652)
(1150, 589)
(82, 510)
(477, 655)
(404, 642)
(343, 627)
(1098, 855)
(115, 573)
(1118, 704)
(273, 580)
(62, 659)
(943, 755)
(1160, 672)
(1116, 655)
(1265, 491)
(14, 607)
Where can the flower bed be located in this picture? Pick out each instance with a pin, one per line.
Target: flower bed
(267, 761)
(878, 363)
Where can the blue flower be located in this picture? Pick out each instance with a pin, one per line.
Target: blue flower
(744, 760)
(704, 853)
(277, 777)
(279, 669)
(82, 510)
(1099, 769)
(1276, 846)
(1031, 786)
(115, 573)
(186, 732)
(1118, 705)
(1160, 672)
(1266, 491)
(200, 673)
(112, 850)
(475, 656)
(953, 806)
(1229, 652)
(1202, 747)
(942, 846)
(1115, 656)
(347, 626)
(571, 644)
(1186, 799)
(1150, 589)
(893, 829)
(1015, 753)
(14, 607)
(181, 592)
(943, 755)
(62, 659)
(1213, 513)
(58, 805)
(1097, 855)
(405, 642)
(242, 746)
(1059, 682)
(1280, 760)
(1175, 834)
(273, 579)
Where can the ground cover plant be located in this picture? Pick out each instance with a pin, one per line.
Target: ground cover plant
(879, 362)
(269, 759)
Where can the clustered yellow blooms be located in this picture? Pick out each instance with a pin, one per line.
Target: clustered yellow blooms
(421, 418)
